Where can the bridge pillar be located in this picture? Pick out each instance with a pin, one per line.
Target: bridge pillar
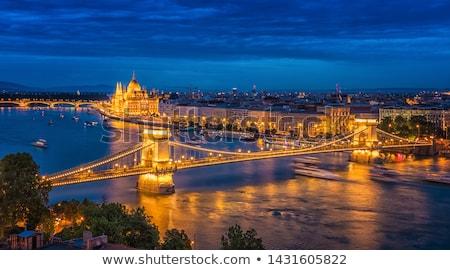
(371, 138)
(156, 157)
(372, 131)
(372, 154)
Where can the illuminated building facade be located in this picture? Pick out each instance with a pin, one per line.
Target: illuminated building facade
(134, 100)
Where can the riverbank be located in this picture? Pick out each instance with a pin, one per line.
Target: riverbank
(149, 121)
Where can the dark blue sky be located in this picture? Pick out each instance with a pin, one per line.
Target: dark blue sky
(303, 45)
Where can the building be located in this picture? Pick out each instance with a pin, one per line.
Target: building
(134, 100)
(27, 240)
(338, 119)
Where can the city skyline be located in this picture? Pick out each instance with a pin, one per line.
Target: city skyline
(220, 45)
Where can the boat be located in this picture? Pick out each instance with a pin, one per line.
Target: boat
(437, 178)
(51, 123)
(194, 141)
(379, 173)
(309, 166)
(89, 124)
(248, 137)
(41, 143)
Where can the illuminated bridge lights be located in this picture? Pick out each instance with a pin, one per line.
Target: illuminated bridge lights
(85, 173)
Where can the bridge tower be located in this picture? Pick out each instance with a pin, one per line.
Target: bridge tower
(156, 157)
(372, 131)
(370, 140)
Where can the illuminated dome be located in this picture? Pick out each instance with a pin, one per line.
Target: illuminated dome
(133, 85)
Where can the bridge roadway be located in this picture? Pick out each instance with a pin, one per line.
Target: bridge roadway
(96, 163)
(49, 102)
(87, 172)
(83, 175)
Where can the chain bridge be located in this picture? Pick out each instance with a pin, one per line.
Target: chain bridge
(158, 156)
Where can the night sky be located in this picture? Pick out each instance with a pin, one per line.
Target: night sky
(217, 45)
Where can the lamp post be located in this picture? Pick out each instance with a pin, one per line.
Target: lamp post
(418, 131)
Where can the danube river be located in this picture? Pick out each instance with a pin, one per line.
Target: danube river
(287, 211)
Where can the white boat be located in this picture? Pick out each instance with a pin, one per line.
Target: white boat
(308, 166)
(437, 178)
(385, 175)
(41, 143)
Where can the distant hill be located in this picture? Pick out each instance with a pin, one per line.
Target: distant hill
(9, 86)
(14, 87)
(99, 88)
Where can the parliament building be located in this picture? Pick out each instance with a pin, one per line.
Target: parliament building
(134, 100)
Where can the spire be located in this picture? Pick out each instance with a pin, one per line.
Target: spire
(118, 94)
(134, 76)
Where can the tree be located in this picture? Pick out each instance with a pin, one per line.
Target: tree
(176, 240)
(386, 124)
(139, 231)
(23, 193)
(108, 219)
(68, 210)
(130, 227)
(236, 239)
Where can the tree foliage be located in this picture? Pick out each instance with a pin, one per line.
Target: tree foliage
(23, 193)
(417, 126)
(68, 210)
(140, 232)
(176, 240)
(129, 227)
(236, 239)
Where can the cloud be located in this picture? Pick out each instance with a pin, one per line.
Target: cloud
(323, 30)
(319, 29)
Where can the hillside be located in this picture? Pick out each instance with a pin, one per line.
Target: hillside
(15, 87)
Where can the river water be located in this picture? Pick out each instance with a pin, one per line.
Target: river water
(287, 211)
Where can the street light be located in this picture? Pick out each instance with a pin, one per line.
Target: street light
(418, 131)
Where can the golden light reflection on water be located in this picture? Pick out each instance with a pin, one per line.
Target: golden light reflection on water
(220, 203)
(306, 212)
(349, 207)
(361, 196)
